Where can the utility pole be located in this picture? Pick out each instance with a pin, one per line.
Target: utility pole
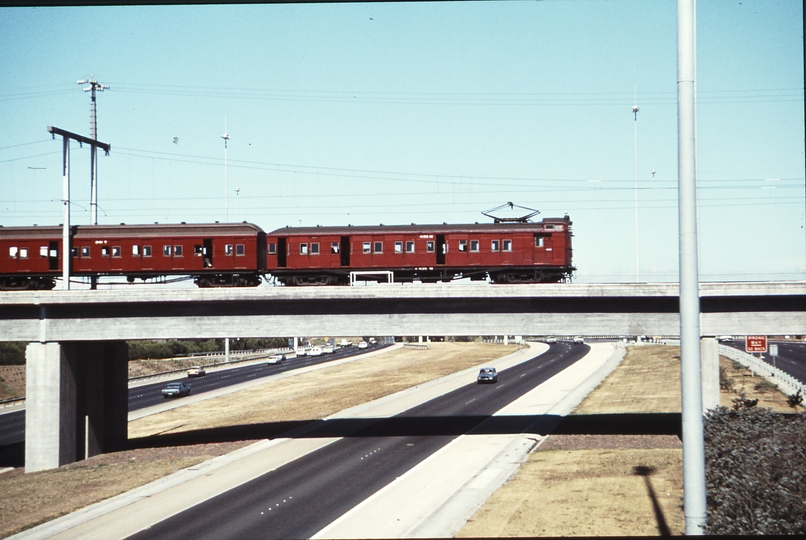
(226, 189)
(66, 136)
(93, 87)
(635, 179)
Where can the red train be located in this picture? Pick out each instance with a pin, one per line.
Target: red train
(240, 254)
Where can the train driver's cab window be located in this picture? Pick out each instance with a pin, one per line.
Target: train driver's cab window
(367, 247)
(398, 247)
(85, 252)
(378, 247)
(334, 247)
(538, 241)
(507, 245)
(135, 250)
(116, 251)
(462, 245)
(13, 251)
(240, 250)
(495, 245)
(303, 249)
(410, 246)
(146, 251)
(429, 246)
(166, 251)
(474, 245)
(227, 249)
(315, 248)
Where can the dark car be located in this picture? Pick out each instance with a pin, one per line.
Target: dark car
(487, 375)
(176, 389)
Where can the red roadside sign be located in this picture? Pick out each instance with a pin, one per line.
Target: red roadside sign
(755, 343)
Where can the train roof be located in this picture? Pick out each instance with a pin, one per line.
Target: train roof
(415, 228)
(124, 230)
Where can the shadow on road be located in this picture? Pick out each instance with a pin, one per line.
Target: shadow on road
(403, 426)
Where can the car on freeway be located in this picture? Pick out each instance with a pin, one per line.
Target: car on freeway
(578, 339)
(197, 371)
(302, 352)
(327, 349)
(276, 359)
(176, 389)
(315, 351)
(373, 341)
(487, 375)
(362, 345)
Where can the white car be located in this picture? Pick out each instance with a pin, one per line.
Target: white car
(362, 345)
(316, 351)
(327, 349)
(302, 352)
(276, 359)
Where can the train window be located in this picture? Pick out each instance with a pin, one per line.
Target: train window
(303, 249)
(74, 252)
(227, 249)
(178, 251)
(538, 240)
(462, 245)
(378, 248)
(367, 247)
(146, 251)
(549, 226)
(197, 250)
(23, 253)
(314, 248)
(474, 245)
(104, 251)
(12, 251)
(116, 251)
(410, 246)
(166, 251)
(85, 251)
(429, 246)
(240, 250)
(507, 245)
(135, 250)
(398, 247)
(496, 245)
(272, 248)
(43, 251)
(334, 247)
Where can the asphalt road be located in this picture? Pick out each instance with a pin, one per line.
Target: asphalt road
(301, 498)
(12, 424)
(791, 357)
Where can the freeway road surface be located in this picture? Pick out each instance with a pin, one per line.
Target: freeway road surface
(302, 497)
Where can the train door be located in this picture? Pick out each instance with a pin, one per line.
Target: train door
(282, 252)
(53, 255)
(442, 249)
(344, 251)
(207, 252)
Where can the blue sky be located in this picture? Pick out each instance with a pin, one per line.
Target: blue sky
(420, 112)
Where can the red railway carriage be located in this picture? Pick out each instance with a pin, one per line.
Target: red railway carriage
(504, 252)
(220, 254)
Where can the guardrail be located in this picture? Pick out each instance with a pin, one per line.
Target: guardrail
(245, 357)
(786, 382)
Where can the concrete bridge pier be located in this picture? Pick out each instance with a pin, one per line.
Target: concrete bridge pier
(77, 401)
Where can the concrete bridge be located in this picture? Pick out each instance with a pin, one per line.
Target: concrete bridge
(76, 382)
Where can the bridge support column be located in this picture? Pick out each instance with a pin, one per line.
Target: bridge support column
(76, 401)
(709, 364)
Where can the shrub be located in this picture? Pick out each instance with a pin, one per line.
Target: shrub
(12, 353)
(795, 399)
(725, 380)
(755, 471)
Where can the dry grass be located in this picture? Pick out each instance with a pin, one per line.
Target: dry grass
(12, 381)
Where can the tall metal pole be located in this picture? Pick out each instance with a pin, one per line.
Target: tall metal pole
(226, 189)
(694, 495)
(93, 86)
(66, 251)
(635, 179)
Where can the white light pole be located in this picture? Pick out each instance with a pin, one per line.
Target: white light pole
(226, 189)
(635, 179)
